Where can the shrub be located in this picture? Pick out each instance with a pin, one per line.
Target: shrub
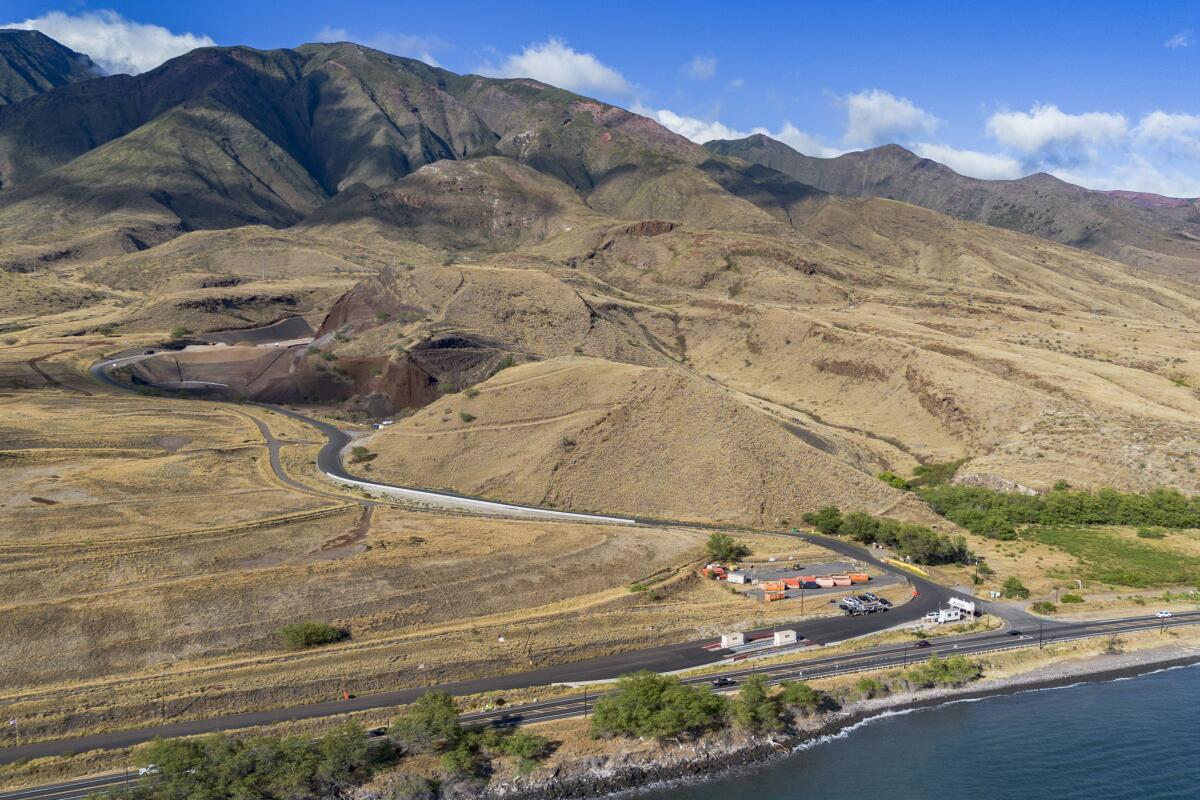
(869, 687)
(893, 480)
(410, 787)
(827, 520)
(1071, 598)
(652, 706)
(471, 393)
(952, 671)
(505, 363)
(465, 417)
(360, 455)
(1013, 589)
(302, 635)
(178, 332)
(755, 709)
(723, 547)
(107, 330)
(329, 356)
(1044, 607)
(1151, 533)
(428, 724)
(934, 474)
(804, 698)
(638, 586)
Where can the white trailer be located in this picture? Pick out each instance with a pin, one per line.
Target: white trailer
(784, 637)
(738, 577)
(730, 640)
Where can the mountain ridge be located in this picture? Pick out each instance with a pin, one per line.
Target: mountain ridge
(1161, 237)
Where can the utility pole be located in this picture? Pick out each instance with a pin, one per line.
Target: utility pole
(585, 710)
(1039, 634)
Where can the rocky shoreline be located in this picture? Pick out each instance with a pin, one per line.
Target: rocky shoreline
(719, 754)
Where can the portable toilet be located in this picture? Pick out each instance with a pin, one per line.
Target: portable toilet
(784, 637)
(730, 640)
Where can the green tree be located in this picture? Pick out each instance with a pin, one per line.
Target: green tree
(178, 332)
(345, 757)
(827, 520)
(1013, 589)
(755, 709)
(428, 724)
(653, 706)
(861, 526)
(723, 547)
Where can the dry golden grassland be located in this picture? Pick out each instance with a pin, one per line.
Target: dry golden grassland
(151, 555)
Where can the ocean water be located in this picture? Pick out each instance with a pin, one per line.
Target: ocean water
(1138, 737)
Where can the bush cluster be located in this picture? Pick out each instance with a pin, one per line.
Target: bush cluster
(263, 767)
(652, 706)
(943, 672)
(921, 544)
(302, 635)
(997, 514)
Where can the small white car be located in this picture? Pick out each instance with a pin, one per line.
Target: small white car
(149, 769)
(1165, 615)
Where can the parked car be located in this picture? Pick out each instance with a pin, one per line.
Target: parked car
(874, 598)
(1165, 615)
(722, 682)
(923, 643)
(149, 769)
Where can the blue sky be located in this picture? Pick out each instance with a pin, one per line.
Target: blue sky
(1100, 93)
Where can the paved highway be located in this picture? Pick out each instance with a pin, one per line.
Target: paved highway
(874, 658)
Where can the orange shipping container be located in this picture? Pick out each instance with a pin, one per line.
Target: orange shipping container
(859, 577)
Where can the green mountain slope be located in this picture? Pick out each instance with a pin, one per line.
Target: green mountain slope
(32, 63)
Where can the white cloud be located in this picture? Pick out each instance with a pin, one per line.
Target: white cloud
(701, 68)
(1047, 135)
(737, 83)
(555, 63)
(876, 117)
(797, 139)
(1181, 39)
(705, 130)
(399, 44)
(1139, 175)
(989, 166)
(694, 128)
(1177, 134)
(113, 42)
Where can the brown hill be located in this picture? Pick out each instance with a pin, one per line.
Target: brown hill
(1163, 238)
(588, 434)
